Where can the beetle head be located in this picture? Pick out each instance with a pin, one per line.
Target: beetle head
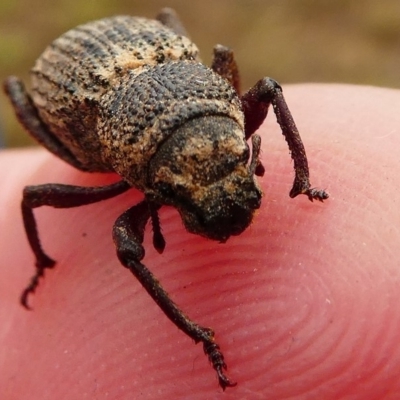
(203, 171)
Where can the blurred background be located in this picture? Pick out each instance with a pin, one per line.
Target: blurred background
(352, 41)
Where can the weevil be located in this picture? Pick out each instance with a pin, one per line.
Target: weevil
(131, 96)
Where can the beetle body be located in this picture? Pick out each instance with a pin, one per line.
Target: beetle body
(116, 91)
(130, 95)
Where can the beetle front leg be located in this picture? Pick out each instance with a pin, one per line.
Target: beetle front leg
(255, 104)
(128, 233)
(58, 196)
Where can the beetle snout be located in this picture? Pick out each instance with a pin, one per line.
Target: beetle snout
(223, 214)
(230, 223)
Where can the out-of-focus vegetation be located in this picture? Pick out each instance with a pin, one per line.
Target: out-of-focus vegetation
(291, 40)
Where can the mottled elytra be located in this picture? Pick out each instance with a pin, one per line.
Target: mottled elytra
(131, 96)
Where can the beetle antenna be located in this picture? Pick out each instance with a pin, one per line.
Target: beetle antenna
(255, 161)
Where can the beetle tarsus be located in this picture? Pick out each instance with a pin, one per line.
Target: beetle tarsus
(223, 380)
(212, 350)
(311, 193)
(41, 264)
(317, 194)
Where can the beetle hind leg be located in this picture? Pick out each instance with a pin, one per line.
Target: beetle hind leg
(168, 17)
(27, 114)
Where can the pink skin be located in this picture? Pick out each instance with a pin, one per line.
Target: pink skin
(305, 304)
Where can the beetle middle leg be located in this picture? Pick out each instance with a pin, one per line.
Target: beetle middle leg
(128, 234)
(58, 196)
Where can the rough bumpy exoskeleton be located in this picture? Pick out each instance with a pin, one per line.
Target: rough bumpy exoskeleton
(130, 95)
